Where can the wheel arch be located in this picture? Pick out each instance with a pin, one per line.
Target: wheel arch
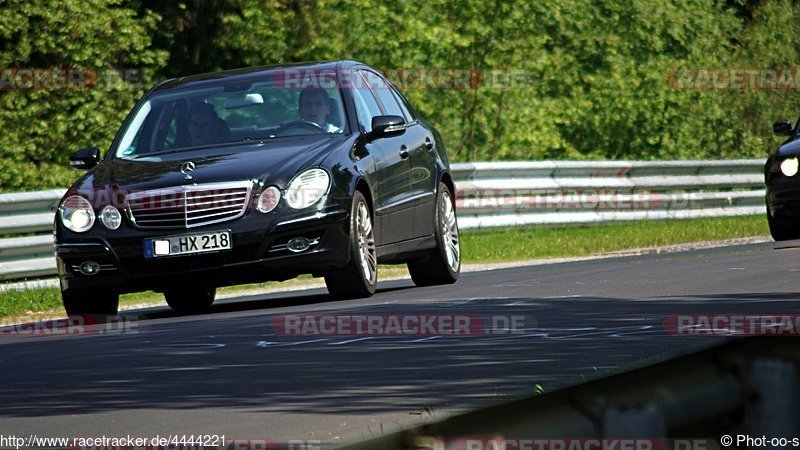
(447, 179)
(362, 186)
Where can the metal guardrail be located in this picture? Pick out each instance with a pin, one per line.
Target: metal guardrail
(28, 213)
(501, 194)
(572, 192)
(746, 386)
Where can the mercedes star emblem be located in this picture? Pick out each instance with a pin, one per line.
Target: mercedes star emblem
(187, 168)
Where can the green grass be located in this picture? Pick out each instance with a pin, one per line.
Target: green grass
(35, 300)
(532, 243)
(489, 246)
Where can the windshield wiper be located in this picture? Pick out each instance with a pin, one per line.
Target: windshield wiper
(258, 139)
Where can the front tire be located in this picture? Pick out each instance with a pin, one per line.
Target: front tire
(782, 230)
(191, 300)
(359, 277)
(94, 301)
(443, 263)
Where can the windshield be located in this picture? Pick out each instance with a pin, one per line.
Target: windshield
(229, 113)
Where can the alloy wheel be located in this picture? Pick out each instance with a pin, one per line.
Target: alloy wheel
(366, 243)
(449, 230)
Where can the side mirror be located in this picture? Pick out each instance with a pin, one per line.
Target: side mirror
(782, 128)
(85, 158)
(385, 126)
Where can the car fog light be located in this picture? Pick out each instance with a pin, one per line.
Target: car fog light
(110, 217)
(789, 167)
(90, 268)
(298, 244)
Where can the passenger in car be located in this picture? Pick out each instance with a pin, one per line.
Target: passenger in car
(315, 106)
(205, 126)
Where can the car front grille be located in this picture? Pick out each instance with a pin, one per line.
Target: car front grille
(188, 206)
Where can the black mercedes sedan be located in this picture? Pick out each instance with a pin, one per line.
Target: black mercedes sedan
(783, 184)
(255, 175)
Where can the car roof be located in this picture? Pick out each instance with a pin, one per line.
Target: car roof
(248, 74)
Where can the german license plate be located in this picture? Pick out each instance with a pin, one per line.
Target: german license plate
(187, 244)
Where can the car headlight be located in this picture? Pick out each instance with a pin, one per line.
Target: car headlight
(789, 167)
(307, 188)
(110, 217)
(76, 214)
(268, 199)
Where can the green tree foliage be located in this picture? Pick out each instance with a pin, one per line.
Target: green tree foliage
(575, 79)
(41, 127)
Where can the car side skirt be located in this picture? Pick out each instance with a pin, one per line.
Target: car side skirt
(400, 252)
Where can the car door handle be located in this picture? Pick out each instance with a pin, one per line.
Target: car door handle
(404, 152)
(429, 143)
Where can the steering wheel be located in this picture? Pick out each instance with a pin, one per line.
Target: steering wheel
(304, 124)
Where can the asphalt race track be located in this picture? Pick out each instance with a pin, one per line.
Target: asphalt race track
(229, 373)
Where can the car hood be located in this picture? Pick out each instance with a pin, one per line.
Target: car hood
(789, 149)
(274, 162)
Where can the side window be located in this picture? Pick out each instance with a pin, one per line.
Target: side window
(366, 106)
(384, 93)
(407, 109)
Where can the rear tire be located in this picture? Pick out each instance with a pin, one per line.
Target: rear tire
(443, 263)
(359, 277)
(191, 300)
(782, 230)
(94, 301)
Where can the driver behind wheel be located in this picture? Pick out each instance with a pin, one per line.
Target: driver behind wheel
(315, 106)
(205, 126)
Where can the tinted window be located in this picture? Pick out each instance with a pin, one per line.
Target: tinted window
(384, 93)
(366, 107)
(403, 105)
(229, 113)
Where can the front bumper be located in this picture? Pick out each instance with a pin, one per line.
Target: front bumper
(259, 253)
(783, 197)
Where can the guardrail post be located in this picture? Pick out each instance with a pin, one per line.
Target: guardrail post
(641, 421)
(773, 407)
